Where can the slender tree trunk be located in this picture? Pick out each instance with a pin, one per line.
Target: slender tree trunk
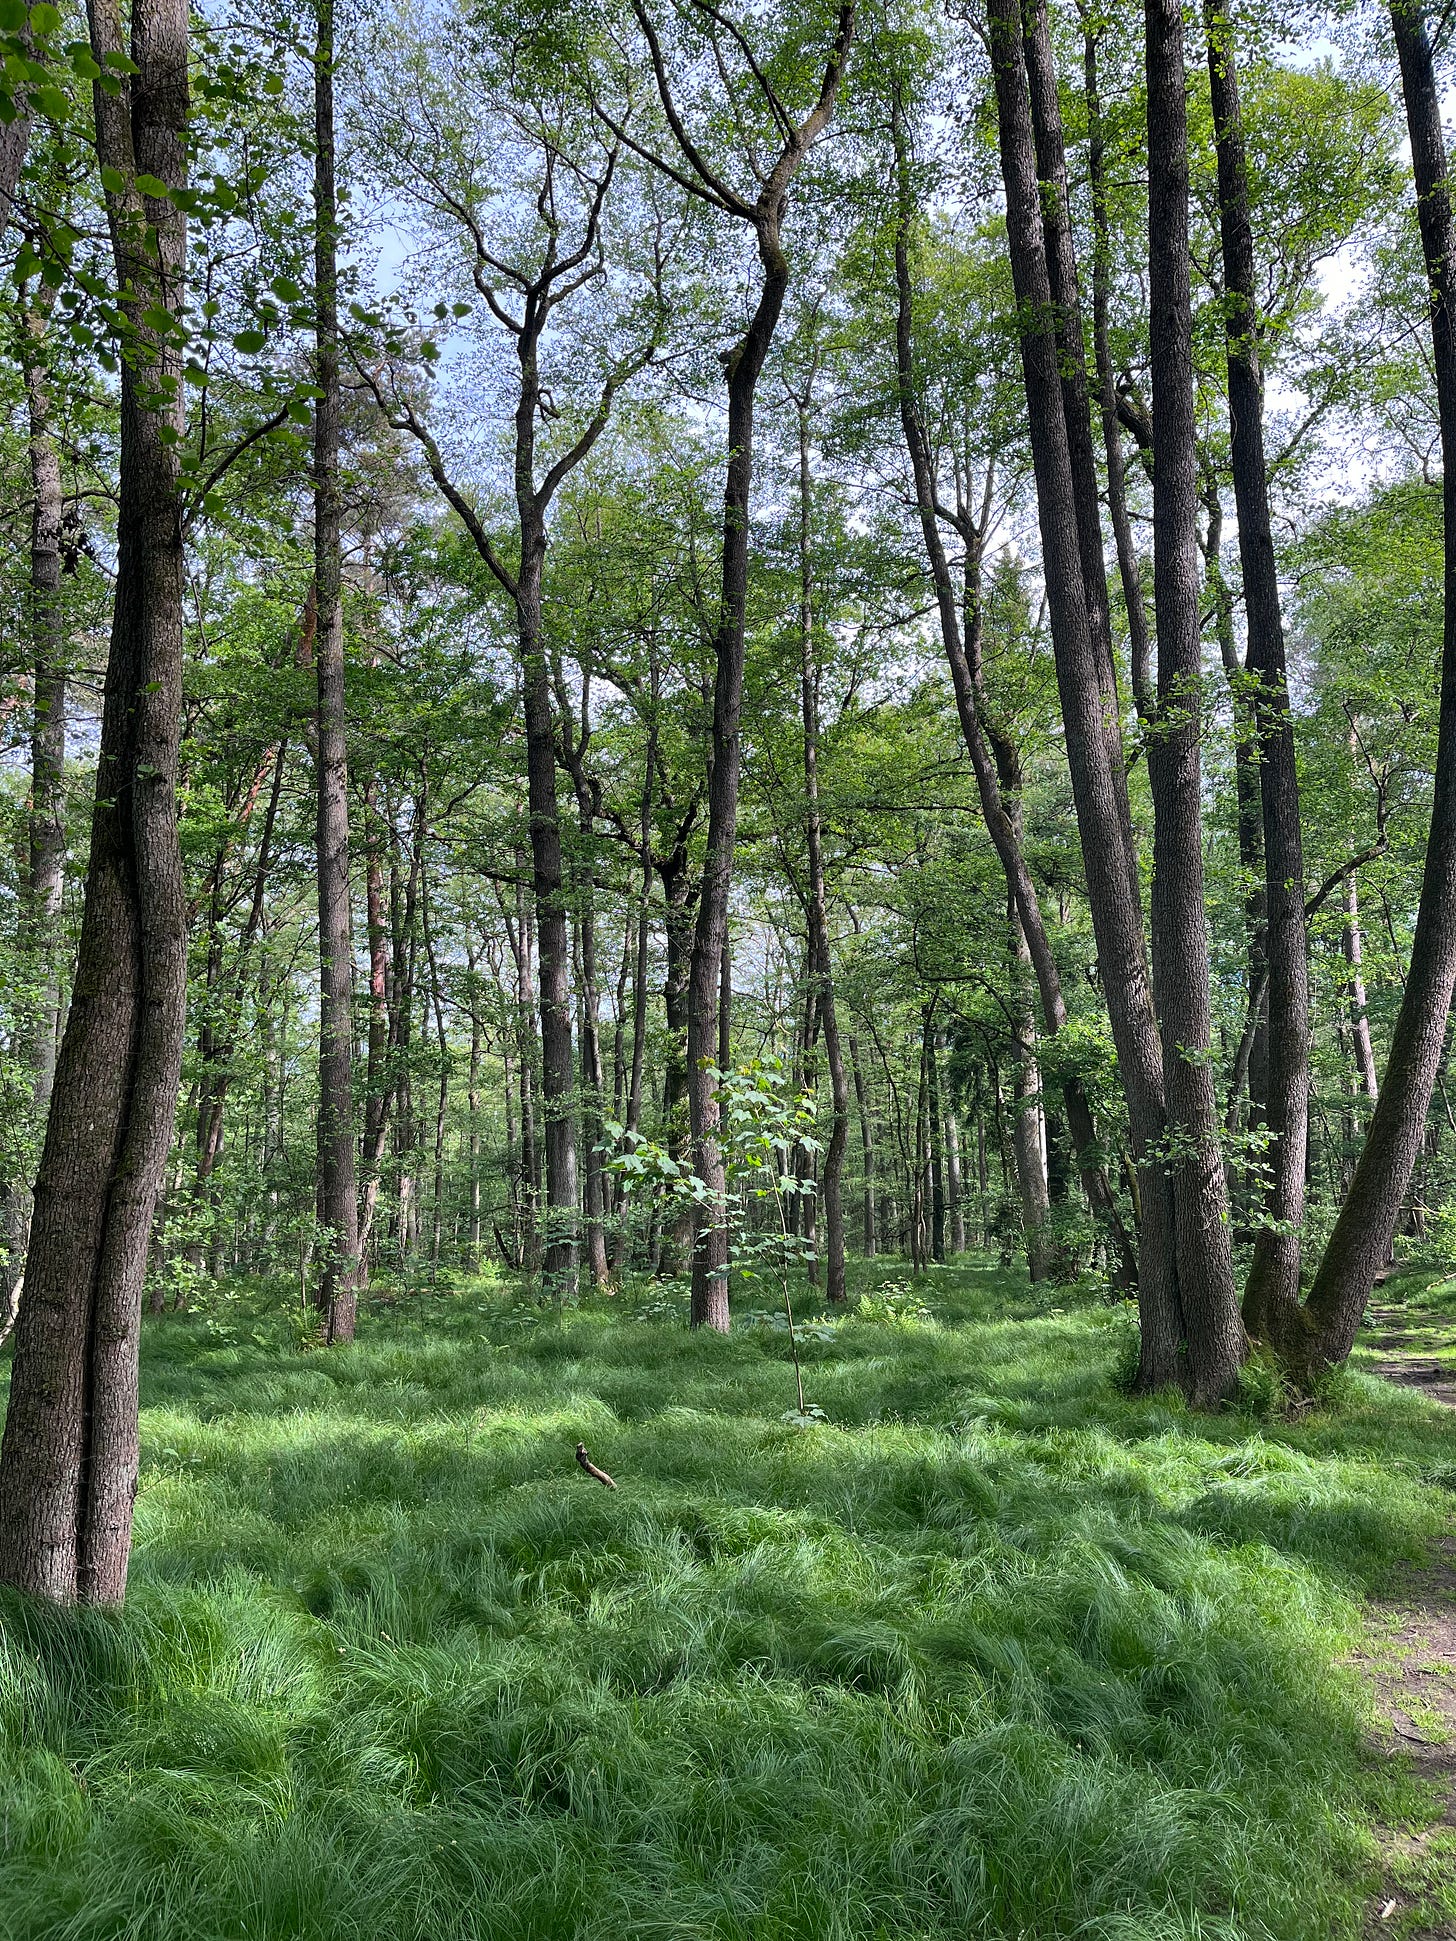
(339, 1208)
(1027, 1148)
(953, 1183)
(1360, 1242)
(1215, 1335)
(1128, 567)
(709, 1304)
(473, 1102)
(817, 910)
(1274, 1273)
(1355, 986)
(869, 1232)
(68, 1468)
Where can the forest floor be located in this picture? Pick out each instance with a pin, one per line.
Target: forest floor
(992, 1650)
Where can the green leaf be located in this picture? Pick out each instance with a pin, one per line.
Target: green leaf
(272, 84)
(44, 18)
(152, 185)
(12, 16)
(112, 179)
(249, 341)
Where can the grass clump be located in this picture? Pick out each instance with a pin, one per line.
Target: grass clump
(996, 1650)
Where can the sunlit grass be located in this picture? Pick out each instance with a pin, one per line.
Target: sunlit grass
(998, 1652)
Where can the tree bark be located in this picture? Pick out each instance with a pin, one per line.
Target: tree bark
(45, 865)
(68, 1467)
(869, 1230)
(831, 1180)
(1274, 1272)
(337, 1293)
(1324, 1330)
(1128, 567)
(744, 362)
(1215, 1335)
(1098, 773)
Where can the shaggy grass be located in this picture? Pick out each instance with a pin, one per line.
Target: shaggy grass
(996, 1652)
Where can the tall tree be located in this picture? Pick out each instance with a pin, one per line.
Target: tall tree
(68, 1465)
(764, 216)
(1215, 1336)
(338, 1199)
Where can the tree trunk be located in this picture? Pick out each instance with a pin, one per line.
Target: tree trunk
(995, 761)
(744, 362)
(1355, 986)
(953, 1183)
(817, 904)
(1128, 567)
(869, 1232)
(1274, 1273)
(68, 1468)
(337, 1293)
(1360, 1244)
(45, 873)
(1215, 1337)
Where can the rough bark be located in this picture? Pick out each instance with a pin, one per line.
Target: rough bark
(68, 1466)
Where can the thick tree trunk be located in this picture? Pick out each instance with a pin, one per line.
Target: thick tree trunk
(1215, 1335)
(337, 1293)
(1325, 1329)
(1274, 1273)
(68, 1467)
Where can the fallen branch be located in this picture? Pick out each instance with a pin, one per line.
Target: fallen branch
(597, 1475)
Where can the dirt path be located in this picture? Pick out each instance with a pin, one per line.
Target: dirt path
(1412, 1666)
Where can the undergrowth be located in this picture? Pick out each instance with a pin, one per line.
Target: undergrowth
(995, 1650)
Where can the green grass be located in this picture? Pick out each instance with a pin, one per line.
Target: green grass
(999, 1652)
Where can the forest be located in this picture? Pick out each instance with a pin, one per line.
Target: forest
(727, 941)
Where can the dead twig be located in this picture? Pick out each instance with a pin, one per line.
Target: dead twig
(597, 1475)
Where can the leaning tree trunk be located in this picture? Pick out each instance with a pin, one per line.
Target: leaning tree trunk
(1323, 1332)
(68, 1467)
(1273, 1281)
